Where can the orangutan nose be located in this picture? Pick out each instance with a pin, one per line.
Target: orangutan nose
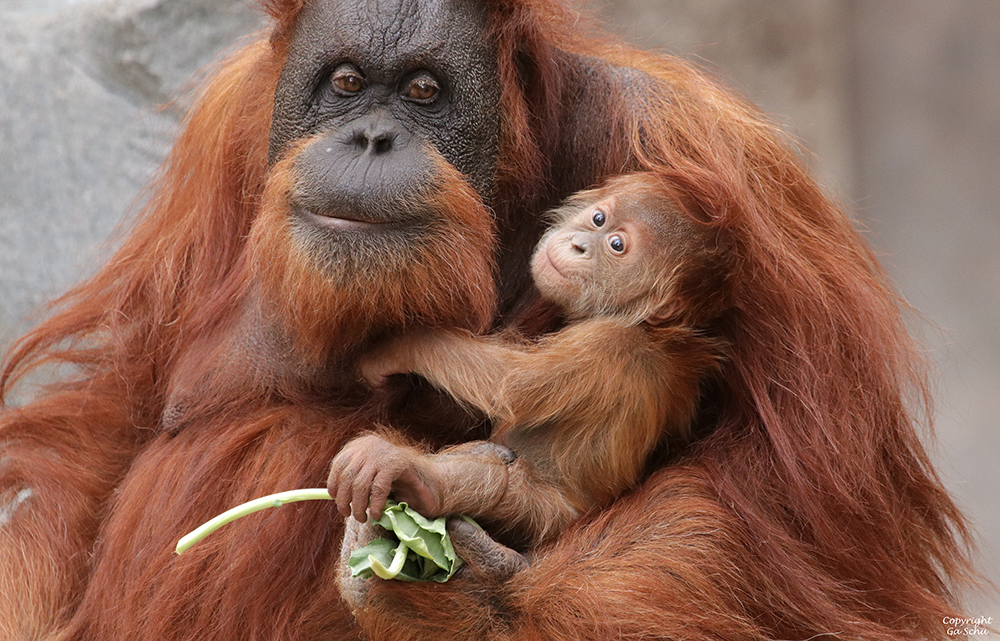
(581, 244)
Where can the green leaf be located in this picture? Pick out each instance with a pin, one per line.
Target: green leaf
(416, 548)
(424, 543)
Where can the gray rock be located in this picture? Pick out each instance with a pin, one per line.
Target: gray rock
(85, 119)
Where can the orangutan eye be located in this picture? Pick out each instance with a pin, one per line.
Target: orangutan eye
(424, 88)
(598, 218)
(617, 244)
(347, 79)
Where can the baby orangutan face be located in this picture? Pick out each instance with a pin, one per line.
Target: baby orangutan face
(615, 251)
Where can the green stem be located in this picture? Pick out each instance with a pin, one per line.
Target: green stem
(272, 500)
(398, 559)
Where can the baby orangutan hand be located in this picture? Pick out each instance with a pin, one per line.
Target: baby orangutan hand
(368, 468)
(468, 478)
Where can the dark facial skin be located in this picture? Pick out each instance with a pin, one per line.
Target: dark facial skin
(373, 86)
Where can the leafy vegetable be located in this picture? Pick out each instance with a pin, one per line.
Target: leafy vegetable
(418, 549)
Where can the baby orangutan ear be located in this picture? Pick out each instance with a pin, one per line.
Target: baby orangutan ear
(698, 293)
(661, 315)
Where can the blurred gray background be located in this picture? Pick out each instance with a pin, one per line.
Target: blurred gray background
(899, 100)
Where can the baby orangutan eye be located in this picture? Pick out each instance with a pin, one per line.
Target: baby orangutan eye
(617, 244)
(598, 218)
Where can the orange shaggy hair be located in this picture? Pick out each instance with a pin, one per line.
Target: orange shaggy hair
(808, 505)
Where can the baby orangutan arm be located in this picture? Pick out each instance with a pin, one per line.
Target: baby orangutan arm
(583, 408)
(480, 479)
(370, 468)
(469, 368)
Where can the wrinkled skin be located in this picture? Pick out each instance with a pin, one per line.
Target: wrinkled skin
(375, 131)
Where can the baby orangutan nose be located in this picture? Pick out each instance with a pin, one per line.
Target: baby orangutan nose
(581, 244)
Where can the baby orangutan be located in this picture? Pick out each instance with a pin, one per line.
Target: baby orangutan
(578, 412)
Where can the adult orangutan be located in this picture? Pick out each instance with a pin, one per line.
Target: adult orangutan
(374, 166)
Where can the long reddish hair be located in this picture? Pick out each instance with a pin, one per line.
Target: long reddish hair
(812, 462)
(815, 447)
